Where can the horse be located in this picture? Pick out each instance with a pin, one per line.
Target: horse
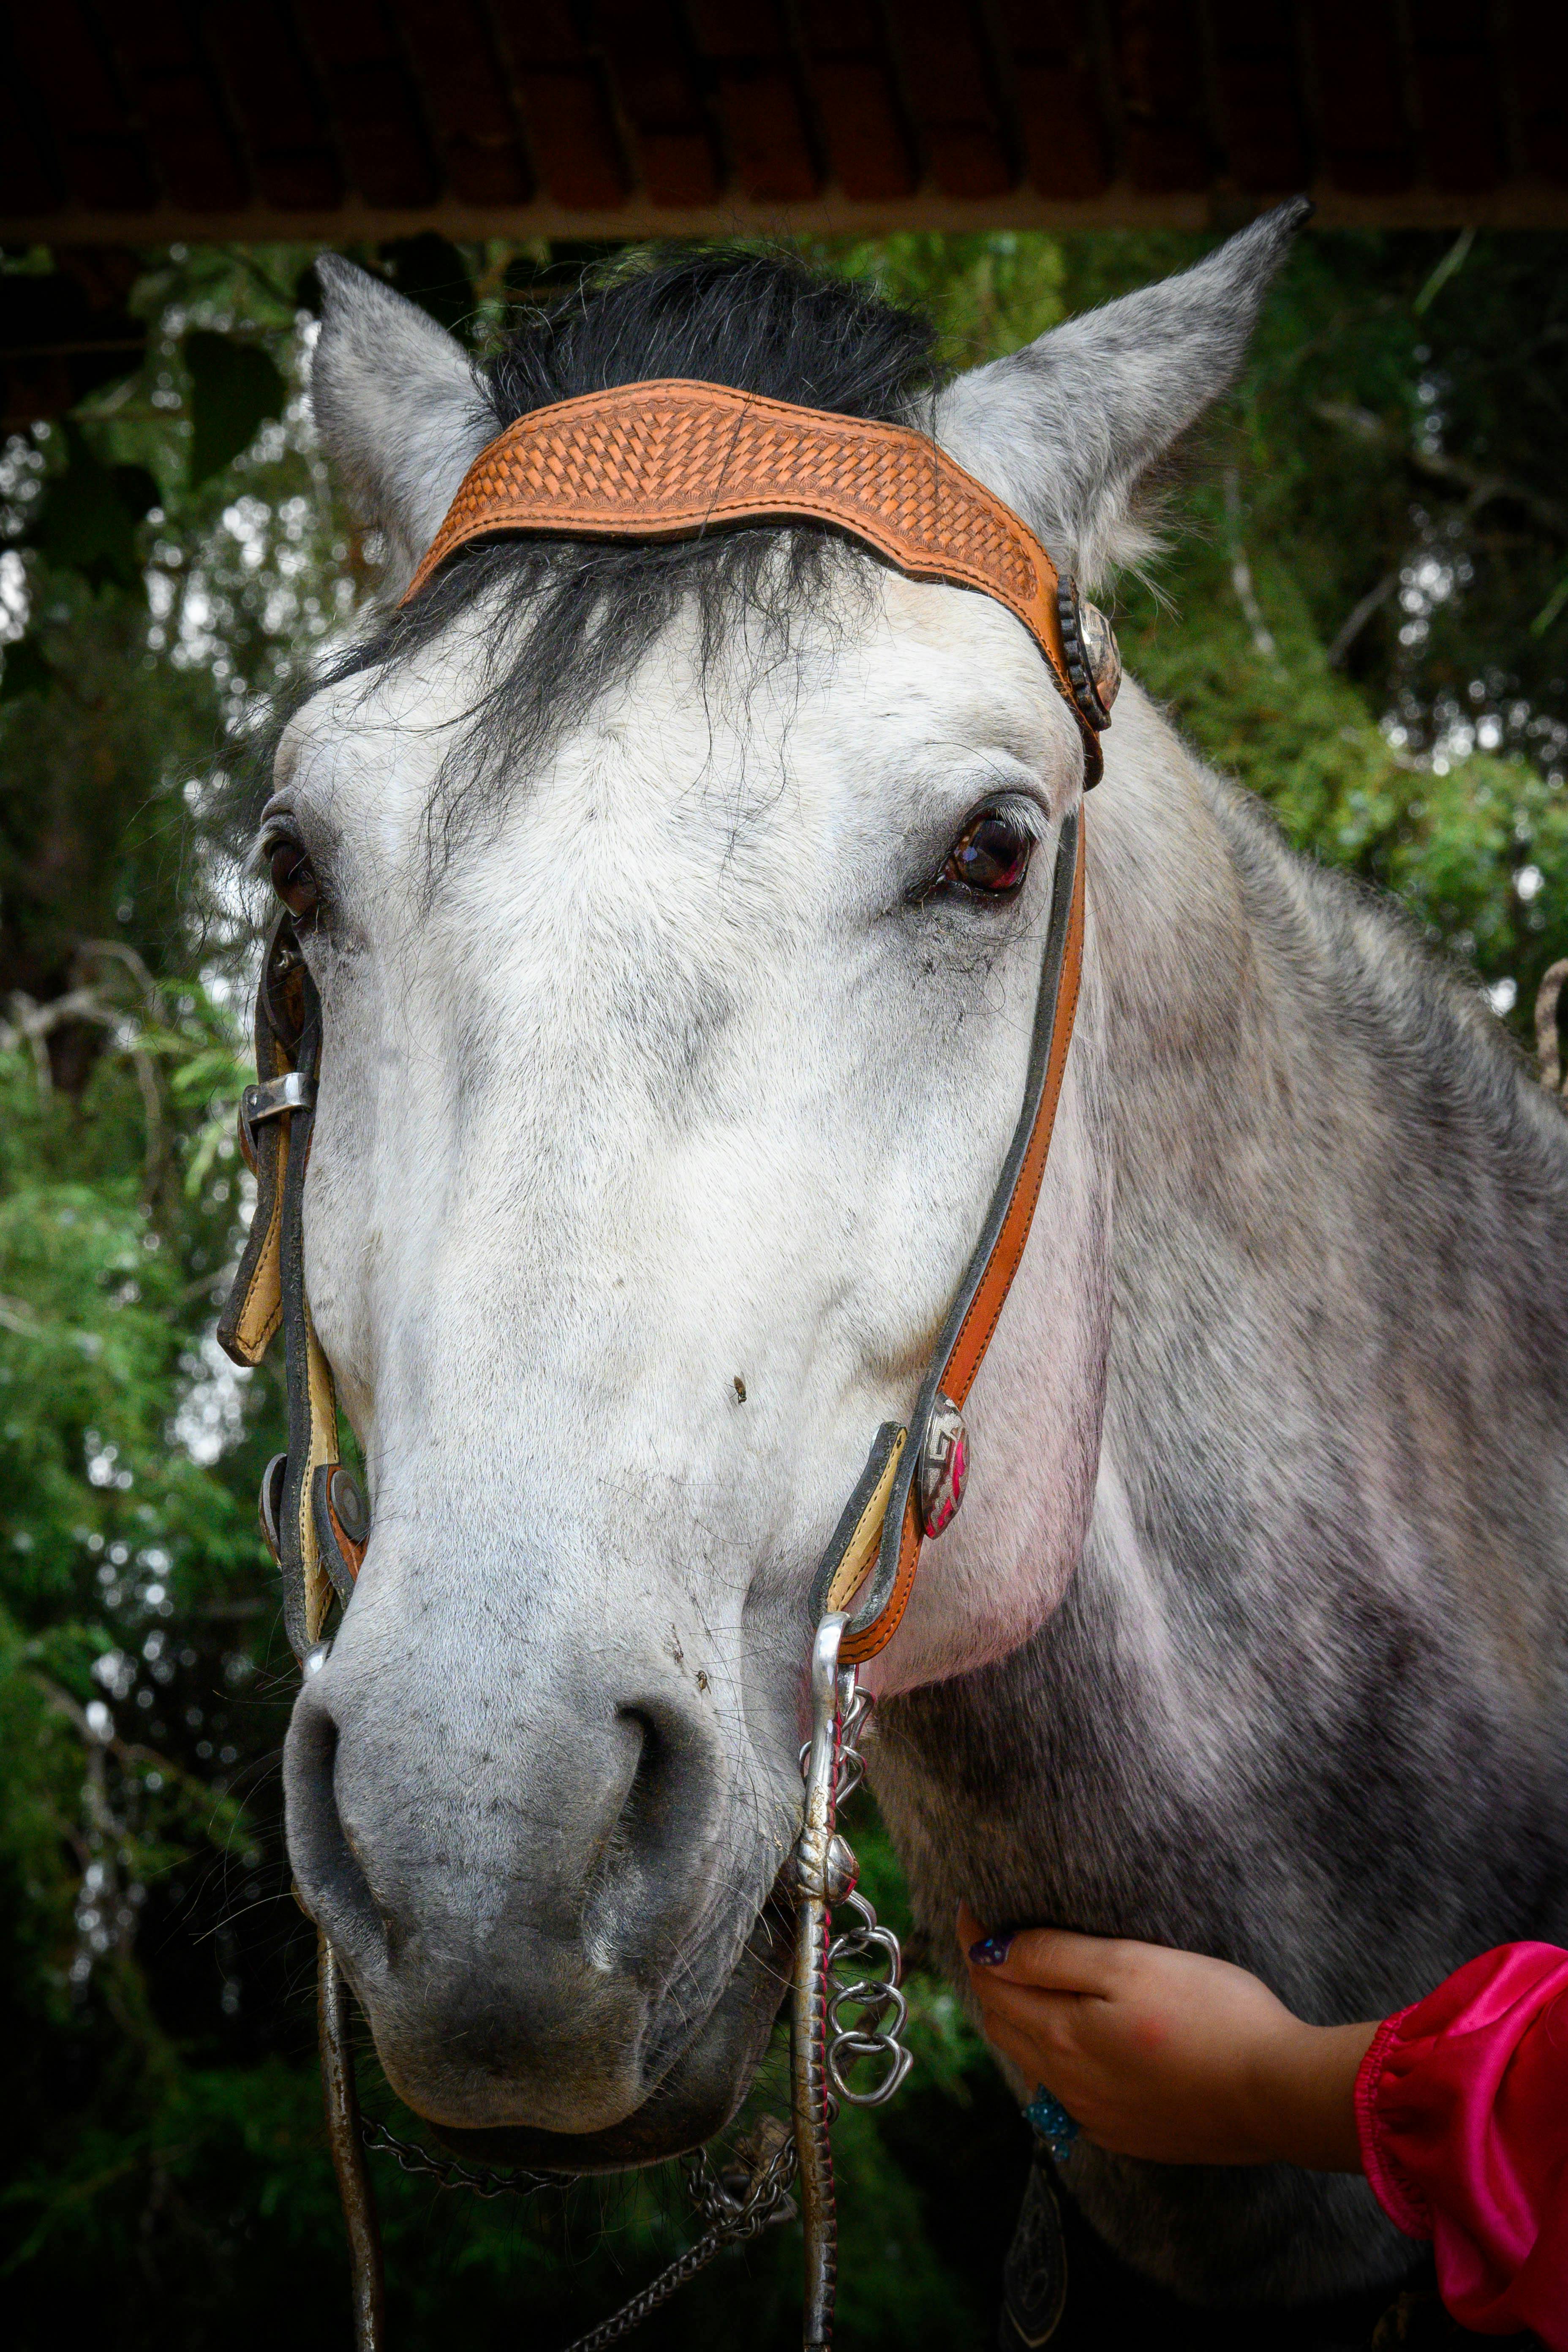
(677, 914)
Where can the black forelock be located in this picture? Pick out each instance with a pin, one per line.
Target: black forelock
(568, 622)
(759, 322)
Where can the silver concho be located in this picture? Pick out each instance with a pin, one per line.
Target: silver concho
(1094, 665)
(944, 1465)
(1101, 653)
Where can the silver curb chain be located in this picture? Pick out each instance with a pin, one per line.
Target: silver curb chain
(867, 2013)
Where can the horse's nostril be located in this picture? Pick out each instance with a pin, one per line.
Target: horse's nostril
(639, 1808)
(651, 1819)
(327, 1870)
(667, 1784)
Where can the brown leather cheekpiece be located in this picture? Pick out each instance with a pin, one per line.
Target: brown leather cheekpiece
(672, 459)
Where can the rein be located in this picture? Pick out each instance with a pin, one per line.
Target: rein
(661, 461)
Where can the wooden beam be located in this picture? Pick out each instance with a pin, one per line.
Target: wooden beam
(1516, 204)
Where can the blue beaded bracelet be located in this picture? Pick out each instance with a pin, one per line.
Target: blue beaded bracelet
(1052, 2121)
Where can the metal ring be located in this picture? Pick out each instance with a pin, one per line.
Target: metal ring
(880, 2093)
(873, 2021)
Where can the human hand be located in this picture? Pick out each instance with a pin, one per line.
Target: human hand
(1166, 2054)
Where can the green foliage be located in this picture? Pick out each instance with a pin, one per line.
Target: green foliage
(1394, 453)
(1425, 749)
(90, 516)
(989, 294)
(235, 389)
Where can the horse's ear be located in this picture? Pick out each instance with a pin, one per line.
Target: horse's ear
(398, 409)
(1068, 429)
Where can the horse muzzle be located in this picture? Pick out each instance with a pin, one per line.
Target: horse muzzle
(551, 1910)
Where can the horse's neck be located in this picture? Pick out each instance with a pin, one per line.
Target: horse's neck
(1341, 1247)
(1322, 1601)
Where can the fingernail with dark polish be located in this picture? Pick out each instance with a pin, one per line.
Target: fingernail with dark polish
(990, 1951)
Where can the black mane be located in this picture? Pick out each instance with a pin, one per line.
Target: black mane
(759, 322)
(569, 621)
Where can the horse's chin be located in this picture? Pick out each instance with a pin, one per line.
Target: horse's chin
(695, 2097)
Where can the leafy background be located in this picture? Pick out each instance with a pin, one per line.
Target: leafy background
(1363, 616)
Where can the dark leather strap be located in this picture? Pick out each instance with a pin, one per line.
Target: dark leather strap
(253, 1306)
(268, 1292)
(889, 1475)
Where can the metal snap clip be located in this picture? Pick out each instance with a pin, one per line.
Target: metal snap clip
(271, 1098)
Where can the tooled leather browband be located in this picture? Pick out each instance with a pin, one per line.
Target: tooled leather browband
(672, 459)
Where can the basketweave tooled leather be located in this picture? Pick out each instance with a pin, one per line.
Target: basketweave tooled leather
(670, 459)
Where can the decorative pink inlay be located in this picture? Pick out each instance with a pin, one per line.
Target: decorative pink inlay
(945, 1467)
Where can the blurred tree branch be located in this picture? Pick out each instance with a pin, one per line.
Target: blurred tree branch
(1480, 485)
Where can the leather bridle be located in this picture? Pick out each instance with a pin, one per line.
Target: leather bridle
(673, 460)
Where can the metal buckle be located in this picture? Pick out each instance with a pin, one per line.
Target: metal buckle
(271, 1098)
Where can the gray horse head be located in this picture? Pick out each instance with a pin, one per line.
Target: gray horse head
(678, 920)
(669, 1062)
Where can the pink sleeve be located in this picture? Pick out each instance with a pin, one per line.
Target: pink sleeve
(1462, 2106)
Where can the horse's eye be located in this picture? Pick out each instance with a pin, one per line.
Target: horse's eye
(294, 877)
(991, 854)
